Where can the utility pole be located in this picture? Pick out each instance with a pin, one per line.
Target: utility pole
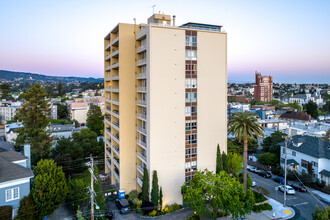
(285, 164)
(92, 187)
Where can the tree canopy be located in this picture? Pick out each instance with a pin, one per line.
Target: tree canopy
(49, 187)
(5, 92)
(209, 193)
(311, 109)
(95, 120)
(267, 158)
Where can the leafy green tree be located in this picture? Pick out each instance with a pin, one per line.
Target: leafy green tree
(252, 143)
(219, 164)
(321, 214)
(60, 90)
(311, 109)
(62, 111)
(272, 143)
(145, 185)
(77, 192)
(155, 189)
(87, 140)
(26, 208)
(34, 116)
(99, 198)
(49, 187)
(224, 162)
(79, 215)
(270, 159)
(209, 193)
(161, 198)
(5, 91)
(326, 107)
(294, 105)
(249, 181)
(230, 100)
(233, 148)
(244, 126)
(235, 163)
(95, 119)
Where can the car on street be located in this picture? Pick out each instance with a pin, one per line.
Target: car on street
(251, 168)
(253, 182)
(257, 170)
(299, 188)
(265, 174)
(279, 179)
(108, 214)
(289, 190)
(122, 205)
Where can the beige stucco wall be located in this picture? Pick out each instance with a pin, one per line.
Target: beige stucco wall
(211, 97)
(80, 115)
(167, 110)
(127, 107)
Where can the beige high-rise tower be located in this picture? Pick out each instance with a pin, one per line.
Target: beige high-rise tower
(166, 110)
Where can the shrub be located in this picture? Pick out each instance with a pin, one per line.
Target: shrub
(222, 214)
(263, 190)
(172, 208)
(278, 170)
(5, 212)
(153, 213)
(262, 207)
(147, 207)
(194, 217)
(259, 197)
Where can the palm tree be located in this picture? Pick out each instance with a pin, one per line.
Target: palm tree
(243, 126)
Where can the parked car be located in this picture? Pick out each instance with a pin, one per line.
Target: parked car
(253, 182)
(108, 214)
(257, 170)
(299, 188)
(265, 174)
(289, 189)
(248, 167)
(122, 205)
(279, 180)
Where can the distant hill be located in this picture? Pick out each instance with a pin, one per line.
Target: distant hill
(20, 76)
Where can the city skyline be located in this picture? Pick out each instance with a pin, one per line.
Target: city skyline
(288, 40)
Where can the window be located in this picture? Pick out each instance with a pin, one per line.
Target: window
(191, 55)
(191, 138)
(191, 166)
(294, 153)
(314, 164)
(191, 67)
(191, 83)
(304, 163)
(191, 152)
(191, 96)
(191, 111)
(191, 41)
(191, 125)
(12, 194)
(188, 111)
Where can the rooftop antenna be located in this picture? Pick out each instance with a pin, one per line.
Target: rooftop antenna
(153, 9)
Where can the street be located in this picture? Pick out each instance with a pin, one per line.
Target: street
(303, 202)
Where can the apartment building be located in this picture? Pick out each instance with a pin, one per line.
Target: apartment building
(263, 90)
(8, 110)
(165, 102)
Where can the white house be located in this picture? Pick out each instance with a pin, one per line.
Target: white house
(302, 150)
(305, 98)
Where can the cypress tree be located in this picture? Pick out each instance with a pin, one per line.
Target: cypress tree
(224, 162)
(161, 198)
(155, 189)
(145, 186)
(219, 165)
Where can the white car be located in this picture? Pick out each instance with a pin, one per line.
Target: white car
(252, 169)
(257, 170)
(289, 189)
(248, 167)
(253, 182)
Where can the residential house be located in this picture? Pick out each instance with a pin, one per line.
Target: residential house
(302, 150)
(10, 131)
(296, 116)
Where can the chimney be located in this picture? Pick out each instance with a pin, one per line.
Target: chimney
(174, 20)
(27, 153)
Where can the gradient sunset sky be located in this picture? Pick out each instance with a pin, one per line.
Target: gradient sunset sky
(288, 39)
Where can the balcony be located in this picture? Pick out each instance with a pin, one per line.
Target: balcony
(115, 125)
(142, 116)
(142, 103)
(142, 130)
(141, 48)
(142, 33)
(142, 89)
(115, 77)
(108, 68)
(108, 89)
(115, 40)
(115, 101)
(115, 89)
(108, 153)
(107, 57)
(116, 138)
(141, 76)
(107, 79)
(108, 131)
(115, 53)
(108, 163)
(142, 144)
(142, 157)
(108, 110)
(116, 162)
(140, 169)
(115, 149)
(108, 121)
(116, 173)
(108, 142)
(115, 113)
(107, 47)
(115, 65)
(142, 62)
(139, 181)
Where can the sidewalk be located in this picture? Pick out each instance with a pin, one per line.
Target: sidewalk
(323, 195)
(279, 211)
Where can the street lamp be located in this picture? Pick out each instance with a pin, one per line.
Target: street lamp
(285, 165)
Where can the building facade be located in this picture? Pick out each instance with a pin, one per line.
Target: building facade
(165, 108)
(8, 110)
(263, 90)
